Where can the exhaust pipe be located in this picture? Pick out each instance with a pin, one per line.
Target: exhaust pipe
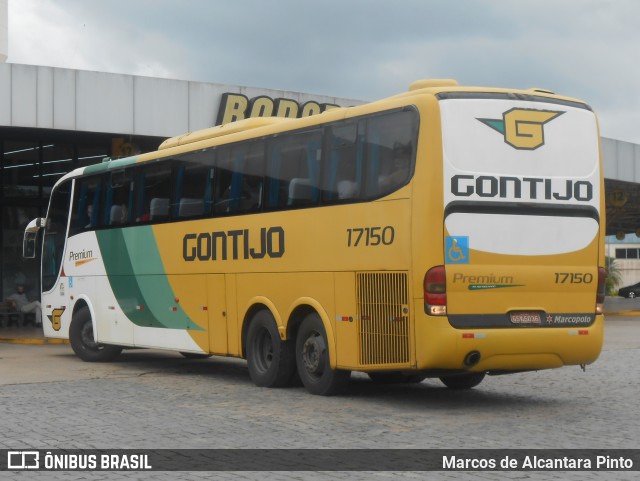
(471, 359)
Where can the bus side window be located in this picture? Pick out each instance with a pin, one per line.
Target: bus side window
(191, 181)
(159, 208)
(118, 201)
(93, 209)
(81, 213)
(389, 152)
(343, 166)
(294, 170)
(153, 193)
(239, 179)
(142, 203)
(86, 205)
(396, 171)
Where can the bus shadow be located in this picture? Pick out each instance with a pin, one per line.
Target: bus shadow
(148, 362)
(430, 393)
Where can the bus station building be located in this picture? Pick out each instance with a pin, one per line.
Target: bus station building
(53, 120)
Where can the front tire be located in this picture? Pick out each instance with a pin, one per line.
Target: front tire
(270, 361)
(83, 343)
(463, 381)
(312, 358)
(632, 295)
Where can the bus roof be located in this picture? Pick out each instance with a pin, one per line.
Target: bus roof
(440, 88)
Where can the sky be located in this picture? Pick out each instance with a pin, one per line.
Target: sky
(357, 49)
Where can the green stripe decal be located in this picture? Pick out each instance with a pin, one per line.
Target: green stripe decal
(495, 124)
(136, 275)
(110, 165)
(480, 287)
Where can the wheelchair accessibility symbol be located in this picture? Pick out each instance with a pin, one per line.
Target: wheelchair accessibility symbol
(456, 250)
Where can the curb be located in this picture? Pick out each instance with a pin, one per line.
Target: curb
(34, 342)
(622, 313)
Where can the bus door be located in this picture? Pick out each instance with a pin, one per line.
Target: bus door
(54, 282)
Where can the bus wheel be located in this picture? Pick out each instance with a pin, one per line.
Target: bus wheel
(271, 361)
(463, 381)
(195, 355)
(396, 377)
(82, 343)
(312, 358)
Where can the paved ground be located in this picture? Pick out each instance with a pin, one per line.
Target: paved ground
(152, 399)
(622, 306)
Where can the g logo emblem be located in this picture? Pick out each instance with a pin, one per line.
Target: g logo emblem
(522, 128)
(55, 316)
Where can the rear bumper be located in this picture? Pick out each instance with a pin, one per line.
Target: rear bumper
(441, 346)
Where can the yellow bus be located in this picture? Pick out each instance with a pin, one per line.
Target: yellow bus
(446, 232)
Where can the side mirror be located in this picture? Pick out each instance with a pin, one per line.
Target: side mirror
(29, 245)
(30, 237)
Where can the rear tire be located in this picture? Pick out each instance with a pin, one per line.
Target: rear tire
(83, 343)
(271, 361)
(632, 295)
(312, 358)
(463, 381)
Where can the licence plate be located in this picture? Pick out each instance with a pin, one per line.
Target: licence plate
(525, 317)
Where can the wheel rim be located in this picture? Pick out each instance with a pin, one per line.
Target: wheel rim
(632, 295)
(313, 354)
(264, 350)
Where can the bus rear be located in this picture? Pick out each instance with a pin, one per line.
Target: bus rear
(520, 286)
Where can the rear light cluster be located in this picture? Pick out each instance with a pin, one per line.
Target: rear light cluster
(602, 290)
(435, 291)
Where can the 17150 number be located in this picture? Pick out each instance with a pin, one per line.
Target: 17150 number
(370, 236)
(574, 278)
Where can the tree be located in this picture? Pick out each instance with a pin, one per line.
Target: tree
(614, 276)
